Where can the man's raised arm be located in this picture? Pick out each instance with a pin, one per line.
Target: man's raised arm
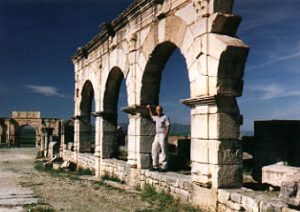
(150, 111)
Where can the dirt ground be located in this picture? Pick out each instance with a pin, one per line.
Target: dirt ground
(19, 177)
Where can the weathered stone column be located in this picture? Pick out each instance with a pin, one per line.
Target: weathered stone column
(76, 134)
(46, 145)
(42, 141)
(63, 144)
(76, 138)
(85, 134)
(97, 153)
(216, 154)
(8, 139)
(140, 137)
(108, 136)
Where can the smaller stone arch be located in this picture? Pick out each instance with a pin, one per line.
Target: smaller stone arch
(37, 134)
(111, 94)
(3, 132)
(87, 95)
(86, 139)
(110, 113)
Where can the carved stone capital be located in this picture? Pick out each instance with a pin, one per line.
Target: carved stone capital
(201, 7)
(206, 100)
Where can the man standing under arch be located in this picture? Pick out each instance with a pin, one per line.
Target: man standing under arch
(159, 145)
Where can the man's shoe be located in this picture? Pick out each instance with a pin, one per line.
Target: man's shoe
(162, 170)
(154, 169)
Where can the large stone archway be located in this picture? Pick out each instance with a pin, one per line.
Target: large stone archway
(86, 107)
(46, 129)
(139, 42)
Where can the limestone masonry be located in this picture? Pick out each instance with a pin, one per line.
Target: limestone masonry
(135, 47)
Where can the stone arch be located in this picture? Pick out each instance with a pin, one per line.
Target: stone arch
(215, 65)
(3, 132)
(111, 93)
(110, 112)
(21, 127)
(153, 70)
(87, 95)
(205, 33)
(86, 104)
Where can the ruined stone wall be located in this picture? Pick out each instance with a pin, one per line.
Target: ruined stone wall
(181, 187)
(86, 161)
(248, 200)
(276, 141)
(68, 155)
(135, 47)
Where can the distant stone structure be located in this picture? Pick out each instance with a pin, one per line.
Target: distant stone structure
(135, 47)
(276, 141)
(46, 129)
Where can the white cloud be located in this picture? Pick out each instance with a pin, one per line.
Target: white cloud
(269, 91)
(276, 60)
(45, 90)
(261, 18)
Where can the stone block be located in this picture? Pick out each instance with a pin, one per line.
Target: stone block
(227, 104)
(236, 197)
(250, 203)
(56, 166)
(187, 13)
(216, 152)
(230, 87)
(224, 126)
(200, 27)
(275, 174)
(149, 43)
(224, 48)
(143, 161)
(200, 150)
(286, 209)
(226, 176)
(186, 46)
(223, 196)
(195, 71)
(222, 69)
(226, 24)
(225, 152)
(199, 126)
(234, 206)
(290, 190)
(199, 87)
(200, 110)
(223, 6)
(206, 199)
(106, 151)
(266, 207)
(140, 144)
(212, 86)
(201, 174)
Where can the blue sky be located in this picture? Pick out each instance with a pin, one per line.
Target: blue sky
(38, 37)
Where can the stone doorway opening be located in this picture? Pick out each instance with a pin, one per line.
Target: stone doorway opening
(115, 121)
(165, 72)
(27, 136)
(87, 121)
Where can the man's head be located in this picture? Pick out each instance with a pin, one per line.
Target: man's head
(159, 110)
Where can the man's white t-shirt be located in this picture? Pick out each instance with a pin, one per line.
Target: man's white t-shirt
(161, 122)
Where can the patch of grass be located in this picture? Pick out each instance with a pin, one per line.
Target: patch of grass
(82, 171)
(39, 207)
(97, 184)
(38, 165)
(113, 178)
(163, 201)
